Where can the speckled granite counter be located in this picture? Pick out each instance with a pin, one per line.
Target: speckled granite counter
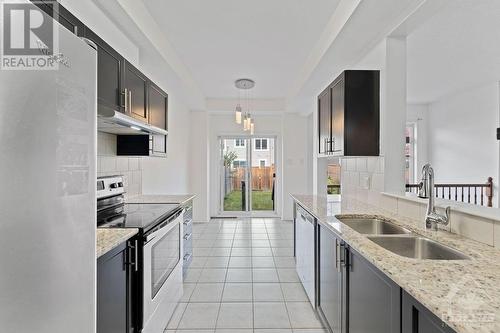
(463, 293)
(161, 198)
(108, 239)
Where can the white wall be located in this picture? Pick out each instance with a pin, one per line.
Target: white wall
(418, 114)
(199, 167)
(171, 174)
(462, 141)
(295, 166)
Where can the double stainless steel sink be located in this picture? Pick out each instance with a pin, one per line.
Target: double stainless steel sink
(401, 241)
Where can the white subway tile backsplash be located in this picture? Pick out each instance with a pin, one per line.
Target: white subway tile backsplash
(133, 164)
(361, 164)
(373, 164)
(122, 164)
(110, 164)
(378, 182)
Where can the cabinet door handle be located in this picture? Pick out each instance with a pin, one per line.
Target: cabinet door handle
(337, 255)
(135, 261)
(125, 95)
(130, 101)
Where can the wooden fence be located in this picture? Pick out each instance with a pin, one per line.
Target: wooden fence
(262, 178)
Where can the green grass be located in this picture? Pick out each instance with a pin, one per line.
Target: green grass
(261, 200)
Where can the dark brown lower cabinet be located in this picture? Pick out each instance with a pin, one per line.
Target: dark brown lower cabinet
(374, 300)
(354, 296)
(113, 292)
(417, 319)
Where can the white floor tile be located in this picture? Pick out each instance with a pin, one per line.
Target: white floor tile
(199, 316)
(235, 315)
(263, 262)
(288, 275)
(270, 315)
(294, 292)
(284, 262)
(213, 275)
(187, 291)
(207, 292)
(241, 252)
(240, 262)
(265, 275)
(237, 292)
(239, 275)
(266, 292)
(177, 316)
(217, 262)
(302, 315)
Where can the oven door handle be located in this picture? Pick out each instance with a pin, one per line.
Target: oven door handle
(160, 228)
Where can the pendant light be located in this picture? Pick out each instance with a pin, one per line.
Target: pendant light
(243, 117)
(238, 114)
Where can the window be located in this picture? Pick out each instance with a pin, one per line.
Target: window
(262, 163)
(239, 164)
(261, 144)
(239, 142)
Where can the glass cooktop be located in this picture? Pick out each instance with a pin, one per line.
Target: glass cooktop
(140, 216)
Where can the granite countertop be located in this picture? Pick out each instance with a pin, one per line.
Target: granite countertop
(465, 294)
(161, 198)
(108, 239)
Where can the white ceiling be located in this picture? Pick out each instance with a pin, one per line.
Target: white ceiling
(458, 48)
(222, 40)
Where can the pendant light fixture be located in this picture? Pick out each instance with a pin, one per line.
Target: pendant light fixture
(242, 115)
(238, 114)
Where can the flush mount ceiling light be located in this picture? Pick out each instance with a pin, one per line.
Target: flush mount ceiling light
(244, 85)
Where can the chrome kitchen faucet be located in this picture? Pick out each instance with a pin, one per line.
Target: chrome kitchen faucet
(426, 190)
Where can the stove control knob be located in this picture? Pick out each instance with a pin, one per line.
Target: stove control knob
(113, 185)
(120, 184)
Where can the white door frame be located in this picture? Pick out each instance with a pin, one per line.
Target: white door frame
(248, 178)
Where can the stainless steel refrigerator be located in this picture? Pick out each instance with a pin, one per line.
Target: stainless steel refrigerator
(47, 185)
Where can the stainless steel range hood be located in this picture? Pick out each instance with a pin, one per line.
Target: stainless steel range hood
(111, 121)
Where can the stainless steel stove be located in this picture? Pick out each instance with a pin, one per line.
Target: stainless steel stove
(157, 276)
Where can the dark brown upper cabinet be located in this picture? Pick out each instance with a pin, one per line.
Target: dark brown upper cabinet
(135, 91)
(158, 106)
(152, 145)
(158, 116)
(349, 115)
(110, 68)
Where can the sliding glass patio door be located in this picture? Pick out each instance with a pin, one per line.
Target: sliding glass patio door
(248, 175)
